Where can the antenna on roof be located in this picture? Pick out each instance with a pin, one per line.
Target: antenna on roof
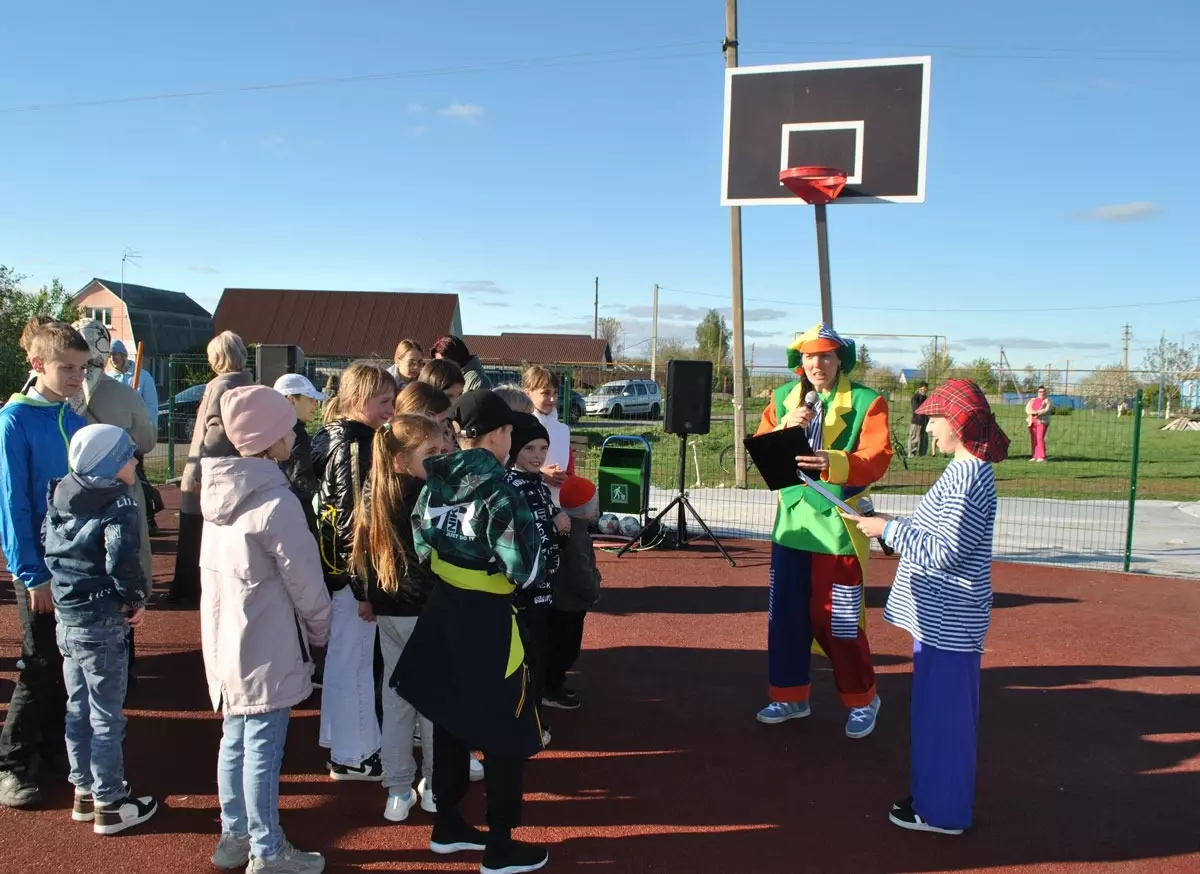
(129, 256)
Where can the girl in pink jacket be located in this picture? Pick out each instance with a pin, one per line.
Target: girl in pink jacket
(263, 605)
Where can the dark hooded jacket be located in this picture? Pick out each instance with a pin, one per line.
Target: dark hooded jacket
(92, 550)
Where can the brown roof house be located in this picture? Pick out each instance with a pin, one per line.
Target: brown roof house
(165, 322)
(539, 349)
(344, 324)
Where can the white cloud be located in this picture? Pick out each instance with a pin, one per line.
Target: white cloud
(1120, 212)
(474, 286)
(471, 113)
(420, 130)
(1026, 343)
(415, 107)
(202, 268)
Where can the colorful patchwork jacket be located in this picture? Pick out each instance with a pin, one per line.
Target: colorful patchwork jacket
(854, 430)
(464, 666)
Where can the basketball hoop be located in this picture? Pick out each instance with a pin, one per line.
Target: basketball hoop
(814, 185)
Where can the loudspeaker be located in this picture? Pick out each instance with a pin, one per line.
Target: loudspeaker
(272, 362)
(689, 397)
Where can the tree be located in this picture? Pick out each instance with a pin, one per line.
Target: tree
(713, 338)
(864, 358)
(674, 348)
(1107, 386)
(17, 307)
(1172, 364)
(935, 363)
(613, 332)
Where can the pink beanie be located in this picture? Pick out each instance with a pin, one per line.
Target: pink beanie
(256, 418)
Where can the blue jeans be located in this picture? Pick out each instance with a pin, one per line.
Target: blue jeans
(248, 778)
(96, 671)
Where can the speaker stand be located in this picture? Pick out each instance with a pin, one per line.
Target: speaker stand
(681, 503)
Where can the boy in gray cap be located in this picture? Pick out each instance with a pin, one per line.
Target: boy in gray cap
(92, 541)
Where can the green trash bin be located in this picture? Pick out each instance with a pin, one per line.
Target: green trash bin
(624, 482)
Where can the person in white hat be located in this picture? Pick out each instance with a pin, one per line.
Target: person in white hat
(306, 400)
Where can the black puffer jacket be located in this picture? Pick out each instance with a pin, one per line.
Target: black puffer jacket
(341, 458)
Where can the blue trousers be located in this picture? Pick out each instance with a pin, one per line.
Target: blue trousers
(96, 671)
(945, 720)
(248, 768)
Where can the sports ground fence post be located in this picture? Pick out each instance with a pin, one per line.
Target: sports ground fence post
(171, 418)
(1133, 476)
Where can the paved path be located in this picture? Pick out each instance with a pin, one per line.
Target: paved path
(1078, 533)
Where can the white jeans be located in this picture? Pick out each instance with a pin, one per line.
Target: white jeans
(400, 717)
(349, 728)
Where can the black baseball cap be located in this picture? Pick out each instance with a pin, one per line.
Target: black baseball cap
(480, 412)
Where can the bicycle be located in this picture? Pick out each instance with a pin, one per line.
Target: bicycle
(728, 460)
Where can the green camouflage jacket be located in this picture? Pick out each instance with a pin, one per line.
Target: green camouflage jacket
(476, 530)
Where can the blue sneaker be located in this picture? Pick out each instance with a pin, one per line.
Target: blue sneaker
(781, 711)
(861, 721)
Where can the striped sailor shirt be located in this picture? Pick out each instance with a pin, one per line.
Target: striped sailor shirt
(942, 593)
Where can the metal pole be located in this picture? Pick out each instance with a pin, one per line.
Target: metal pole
(823, 265)
(171, 418)
(654, 335)
(596, 312)
(1133, 477)
(730, 47)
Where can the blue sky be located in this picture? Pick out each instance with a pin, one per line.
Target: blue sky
(492, 170)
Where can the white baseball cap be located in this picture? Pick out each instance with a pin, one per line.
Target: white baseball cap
(294, 384)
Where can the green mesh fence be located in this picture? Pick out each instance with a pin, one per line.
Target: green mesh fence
(1072, 510)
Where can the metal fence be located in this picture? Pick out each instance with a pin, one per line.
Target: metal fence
(1077, 509)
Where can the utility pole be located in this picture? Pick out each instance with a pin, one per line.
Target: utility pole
(596, 312)
(654, 335)
(1126, 336)
(1162, 367)
(730, 48)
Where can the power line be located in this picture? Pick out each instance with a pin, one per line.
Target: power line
(611, 56)
(1002, 51)
(884, 309)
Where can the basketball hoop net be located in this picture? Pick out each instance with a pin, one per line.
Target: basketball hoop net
(814, 185)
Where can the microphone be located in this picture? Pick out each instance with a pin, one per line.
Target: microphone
(811, 400)
(866, 507)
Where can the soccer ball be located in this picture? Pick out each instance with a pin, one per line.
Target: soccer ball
(609, 523)
(630, 525)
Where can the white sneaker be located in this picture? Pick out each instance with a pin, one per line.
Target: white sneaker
(115, 817)
(288, 860)
(233, 851)
(398, 806)
(477, 773)
(425, 790)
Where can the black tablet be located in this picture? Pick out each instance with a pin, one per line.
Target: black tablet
(774, 454)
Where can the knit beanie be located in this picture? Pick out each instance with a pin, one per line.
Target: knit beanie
(98, 452)
(578, 497)
(526, 429)
(256, 418)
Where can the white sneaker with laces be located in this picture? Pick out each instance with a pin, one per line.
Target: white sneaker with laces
(233, 851)
(288, 860)
(477, 772)
(861, 721)
(398, 806)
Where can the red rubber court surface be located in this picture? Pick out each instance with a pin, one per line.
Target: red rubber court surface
(1089, 743)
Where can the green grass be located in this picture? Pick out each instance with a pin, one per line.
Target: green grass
(1089, 452)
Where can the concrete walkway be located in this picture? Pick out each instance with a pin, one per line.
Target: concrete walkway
(1075, 533)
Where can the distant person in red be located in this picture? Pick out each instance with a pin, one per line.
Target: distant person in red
(1037, 413)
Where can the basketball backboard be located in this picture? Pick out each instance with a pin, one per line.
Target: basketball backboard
(870, 118)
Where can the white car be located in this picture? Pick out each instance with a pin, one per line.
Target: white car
(626, 398)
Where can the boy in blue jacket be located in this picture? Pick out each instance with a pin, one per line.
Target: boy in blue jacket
(93, 541)
(36, 427)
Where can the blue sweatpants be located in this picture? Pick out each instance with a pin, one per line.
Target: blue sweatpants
(945, 719)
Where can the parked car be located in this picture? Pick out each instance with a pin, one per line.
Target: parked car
(625, 398)
(186, 404)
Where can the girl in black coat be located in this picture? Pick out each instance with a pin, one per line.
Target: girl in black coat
(341, 455)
